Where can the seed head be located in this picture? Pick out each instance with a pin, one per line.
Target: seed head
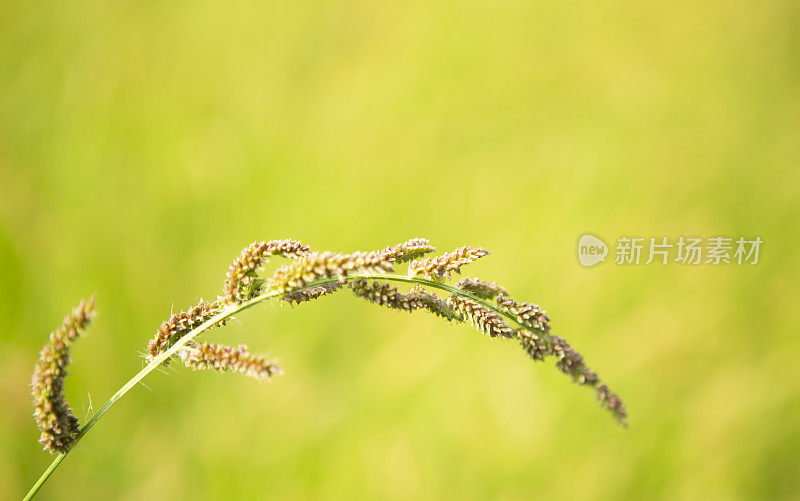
(240, 282)
(613, 403)
(408, 250)
(383, 294)
(178, 325)
(433, 304)
(527, 314)
(208, 356)
(534, 345)
(571, 362)
(482, 318)
(319, 265)
(300, 296)
(53, 416)
(434, 268)
(481, 289)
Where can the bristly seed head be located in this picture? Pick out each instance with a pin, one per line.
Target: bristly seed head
(300, 296)
(179, 324)
(383, 294)
(53, 416)
(319, 265)
(208, 356)
(481, 289)
(613, 403)
(408, 250)
(482, 318)
(528, 314)
(434, 268)
(240, 282)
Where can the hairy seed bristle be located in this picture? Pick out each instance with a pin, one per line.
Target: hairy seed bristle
(179, 324)
(209, 356)
(242, 274)
(434, 268)
(481, 289)
(59, 427)
(482, 318)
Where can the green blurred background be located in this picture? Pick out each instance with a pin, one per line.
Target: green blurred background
(142, 144)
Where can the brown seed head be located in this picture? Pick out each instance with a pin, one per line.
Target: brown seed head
(528, 314)
(613, 403)
(479, 288)
(482, 318)
(383, 294)
(434, 268)
(319, 265)
(408, 250)
(178, 325)
(208, 356)
(242, 274)
(300, 296)
(53, 416)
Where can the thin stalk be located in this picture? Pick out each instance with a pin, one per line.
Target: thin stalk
(223, 315)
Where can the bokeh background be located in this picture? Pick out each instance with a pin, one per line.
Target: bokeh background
(142, 144)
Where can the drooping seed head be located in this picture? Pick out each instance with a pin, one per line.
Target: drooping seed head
(383, 294)
(571, 362)
(481, 317)
(59, 427)
(479, 288)
(434, 268)
(613, 403)
(300, 296)
(242, 274)
(433, 304)
(209, 356)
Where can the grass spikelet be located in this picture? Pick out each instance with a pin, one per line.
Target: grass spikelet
(534, 345)
(528, 314)
(433, 303)
(613, 403)
(242, 274)
(408, 250)
(301, 296)
(58, 425)
(179, 324)
(382, 294)
(435, 268)
(320, 265)
(218, 357)
(481, 289)
(482, 318)
(571, 362)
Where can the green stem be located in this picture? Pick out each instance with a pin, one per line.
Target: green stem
(223, 315)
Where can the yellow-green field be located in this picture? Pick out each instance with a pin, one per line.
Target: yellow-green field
(143, 144)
